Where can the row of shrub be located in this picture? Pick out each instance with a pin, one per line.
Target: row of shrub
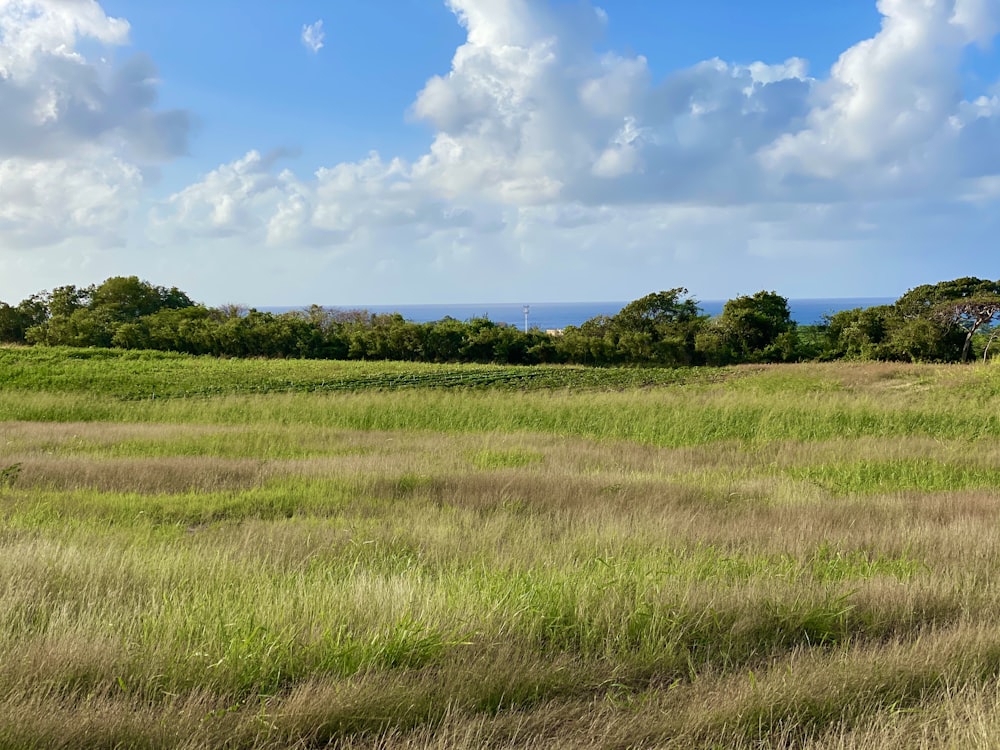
(949, 321)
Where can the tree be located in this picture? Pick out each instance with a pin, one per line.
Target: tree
(194, 330)
(659, 328)
(658, 309)
(966, 304)
(11, 327)
(15, 321)
(65, 300)
(591, 343)
(488, 342)
(126, 298)
(923, 339)
(860, 333)
(758, 328)
(443, 340)
(971, 315)
(83, 327)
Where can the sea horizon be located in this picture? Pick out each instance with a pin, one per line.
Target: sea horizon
(556, 315)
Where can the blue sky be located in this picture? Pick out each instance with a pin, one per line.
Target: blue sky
(498, 150)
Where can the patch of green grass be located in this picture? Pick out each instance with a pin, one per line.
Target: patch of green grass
(830, 563)
(666, 418)
(506, 459)
(150, 375)
(874, 476)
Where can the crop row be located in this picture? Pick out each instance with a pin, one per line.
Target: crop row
(527, 378)
(132, 377)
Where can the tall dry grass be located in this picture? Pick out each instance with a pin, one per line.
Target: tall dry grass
(797, 557)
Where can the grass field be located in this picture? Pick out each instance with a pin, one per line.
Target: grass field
(200, 553)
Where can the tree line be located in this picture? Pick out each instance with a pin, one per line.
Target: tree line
(948, 321)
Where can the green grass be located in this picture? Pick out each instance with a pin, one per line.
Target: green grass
(799, 556)
(868, 476)
(692, 415)
(509, 459)
(150, 375)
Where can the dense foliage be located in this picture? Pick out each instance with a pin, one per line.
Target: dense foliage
(949, 321)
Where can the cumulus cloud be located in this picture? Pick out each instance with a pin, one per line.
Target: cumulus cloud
(528, 115)
(892, 113)
(43, 202)
(539, 143)
(75, 132)
(253, 197)
(313, 36)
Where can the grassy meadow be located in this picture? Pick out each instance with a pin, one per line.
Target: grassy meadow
(202, 553)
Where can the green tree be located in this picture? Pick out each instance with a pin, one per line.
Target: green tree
(480, 340)
(11, 326)
(93, 316)
(660, 328)
(758, 328)
(713, 346)
(923, 339)
(64, 300)
(658, 309)
(16, 321)
(83, 327)
(443, 340)
(385, 337)
(860, 333)
(193, 330)
(965, 305)
(126, 298)
(591, 343)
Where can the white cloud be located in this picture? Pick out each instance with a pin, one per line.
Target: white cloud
(587, 168)
(978, 19)
(346, 203)
(313, 36)
(527, 115)
(33, 30)
(891, 112)
(44, 202)
(74, 131)
(229, 200)
(621, 157)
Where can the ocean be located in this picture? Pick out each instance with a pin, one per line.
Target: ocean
(547, 315)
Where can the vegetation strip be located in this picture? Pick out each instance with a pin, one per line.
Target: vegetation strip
(948, 321)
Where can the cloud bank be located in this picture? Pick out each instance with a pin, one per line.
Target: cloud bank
(76, 132)
(550, 160)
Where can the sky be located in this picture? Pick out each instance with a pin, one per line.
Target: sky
(452, 151)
